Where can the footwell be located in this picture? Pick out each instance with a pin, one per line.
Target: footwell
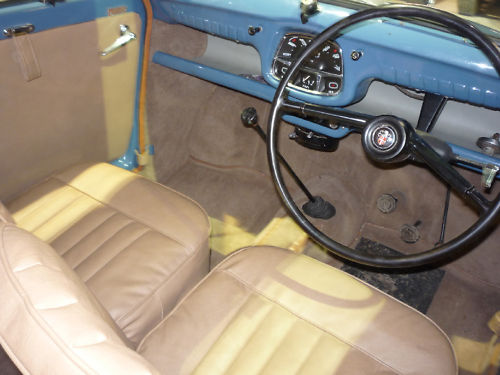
(416, 289)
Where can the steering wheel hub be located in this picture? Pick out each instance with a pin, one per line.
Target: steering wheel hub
(384, 139)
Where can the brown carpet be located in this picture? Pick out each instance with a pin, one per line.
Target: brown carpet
(241, 193)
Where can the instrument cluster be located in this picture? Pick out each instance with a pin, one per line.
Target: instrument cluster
(321, 73)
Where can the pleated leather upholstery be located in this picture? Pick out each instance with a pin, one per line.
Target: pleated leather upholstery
(49, 322)
(136, 244)
(269, 311)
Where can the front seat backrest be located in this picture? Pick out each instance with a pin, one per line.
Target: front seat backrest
(50, 323)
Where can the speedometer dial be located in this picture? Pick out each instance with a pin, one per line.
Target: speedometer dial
(292, 45)
(321, 72)
(326, 59)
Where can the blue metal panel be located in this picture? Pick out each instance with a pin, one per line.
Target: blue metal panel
(393, 51)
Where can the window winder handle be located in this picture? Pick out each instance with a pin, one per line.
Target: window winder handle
(126, 36)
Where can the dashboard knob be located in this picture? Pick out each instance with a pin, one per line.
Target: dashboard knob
(490, 146)
(356, 55)
(252, 30)
(307, 9)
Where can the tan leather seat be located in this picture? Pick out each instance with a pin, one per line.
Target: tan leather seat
(137, 245)
(50, 323)
(261, 311)
(269, 311)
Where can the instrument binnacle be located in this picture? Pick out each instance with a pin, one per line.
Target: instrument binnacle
(322, 71)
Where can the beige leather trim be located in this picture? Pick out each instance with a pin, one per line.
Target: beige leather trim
(369, 331)
(47, 303)
(371, 287)
(89, 178)
(166, 294)
(396, 301)
(137, 245)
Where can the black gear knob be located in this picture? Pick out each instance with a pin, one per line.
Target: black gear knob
(249, 117)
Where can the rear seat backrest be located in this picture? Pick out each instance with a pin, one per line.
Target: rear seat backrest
(45, 301)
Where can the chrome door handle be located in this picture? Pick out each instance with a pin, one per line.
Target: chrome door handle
(18, 30)
(125, 37)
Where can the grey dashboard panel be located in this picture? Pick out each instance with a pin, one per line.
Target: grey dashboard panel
(459, 123)
(231, 57)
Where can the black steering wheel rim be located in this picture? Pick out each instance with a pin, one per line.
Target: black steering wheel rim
(444, 252)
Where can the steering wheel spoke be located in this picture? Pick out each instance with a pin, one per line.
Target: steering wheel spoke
(354, 120)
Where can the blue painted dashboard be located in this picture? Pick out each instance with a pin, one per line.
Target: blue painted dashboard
(393, 51)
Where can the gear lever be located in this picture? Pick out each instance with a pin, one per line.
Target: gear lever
(316, 207)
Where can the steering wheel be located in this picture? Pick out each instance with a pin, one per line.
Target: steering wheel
(406, 143)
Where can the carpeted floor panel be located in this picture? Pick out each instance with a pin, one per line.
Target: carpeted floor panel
(416, 289)
(242, 196)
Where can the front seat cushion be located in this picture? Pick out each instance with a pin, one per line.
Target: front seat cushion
(269, 311)
(136, 244)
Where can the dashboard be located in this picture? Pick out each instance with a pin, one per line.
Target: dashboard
(395, 52)
(362, 70)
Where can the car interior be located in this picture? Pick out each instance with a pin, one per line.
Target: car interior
(250, 187)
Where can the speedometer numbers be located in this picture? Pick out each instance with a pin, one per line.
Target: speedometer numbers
(322, 71)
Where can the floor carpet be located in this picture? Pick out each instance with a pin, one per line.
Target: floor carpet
(242, 196)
